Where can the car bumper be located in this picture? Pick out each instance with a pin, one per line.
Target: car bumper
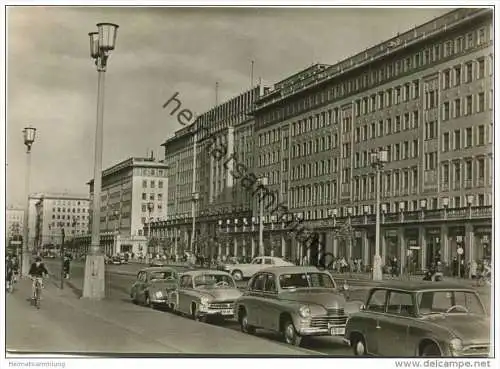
(224, 313)
(160, 301)
(306, 328)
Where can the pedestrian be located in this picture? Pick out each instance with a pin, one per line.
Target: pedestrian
(473, 269)
(66, 266)
(394, 267)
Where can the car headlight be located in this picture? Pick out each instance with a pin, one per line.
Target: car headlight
(305, 311)
(158, 294)
(456, 344)
(204, 301)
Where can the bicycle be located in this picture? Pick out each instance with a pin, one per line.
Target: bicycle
(38, 292)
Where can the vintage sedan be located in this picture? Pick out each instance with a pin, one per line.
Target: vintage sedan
(153, 286)
(240, 271)
(295, 301)
(420, 319)
(204, 294)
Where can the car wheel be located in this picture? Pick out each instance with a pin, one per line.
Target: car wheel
(245, 327)
(359, 346)
(134, 298)
(148, 302)
(237, 275)
(431, 350)
(195, 314)
(290, 334)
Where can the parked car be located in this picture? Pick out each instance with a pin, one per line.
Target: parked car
(157, 263)
(204, 294)
(240, 271)
(154, 285)
(420, 319)
(295, 301)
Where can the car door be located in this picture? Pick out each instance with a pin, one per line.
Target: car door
(394, 326)
(141, 286)
(135, 286)
(374, 312)
(253, 268)
(184, 293)
(269, 307)
(254, 301)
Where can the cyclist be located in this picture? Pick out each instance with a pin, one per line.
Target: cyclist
(37, 272)
(9, 272)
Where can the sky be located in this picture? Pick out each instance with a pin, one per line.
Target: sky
(52, 82)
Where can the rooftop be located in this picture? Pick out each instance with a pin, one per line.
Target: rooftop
(132, 162)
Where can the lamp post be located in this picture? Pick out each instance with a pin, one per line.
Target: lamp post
(102, 43)
(195, 198)
(378, 159)
(470, 202)
(150, 210)
(116, 214)
(29, 138)
(262, 182)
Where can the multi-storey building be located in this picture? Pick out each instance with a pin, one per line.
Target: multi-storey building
(227, 127)
(133, 193)
(14, 225)
(426, 97)
(55, 212)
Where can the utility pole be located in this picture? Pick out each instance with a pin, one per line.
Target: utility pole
(62, 256)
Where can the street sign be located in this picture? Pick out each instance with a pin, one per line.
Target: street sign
(460, 251)
(16, 242)
(414, 247)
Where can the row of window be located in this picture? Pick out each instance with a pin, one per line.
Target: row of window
(73, 210)
(67, 224)
(152, 196)
(396, 206)
(316, 169)
(455, 109)
(71, 203)
(458, 172)
(83, 217)
(388, 98)
(454, 77)
(152, 172)
(370, 78)
(453, 140)
(403, 122)
(152, 184)
(144, 207)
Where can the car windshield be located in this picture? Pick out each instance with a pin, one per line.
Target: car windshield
(158, 276)
(450, 302)
(214, 281)
(306, 280)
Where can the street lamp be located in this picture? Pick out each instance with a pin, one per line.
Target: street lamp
(101, 44)
(262, 183)
(116, 214)
(150, 210)
(195, 198)
(29, 134)
(378, 160)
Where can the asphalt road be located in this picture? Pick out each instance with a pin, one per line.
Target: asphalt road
(119, 279)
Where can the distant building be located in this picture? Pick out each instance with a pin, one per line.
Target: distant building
(127, 189)
(14, 224)
(54, 212)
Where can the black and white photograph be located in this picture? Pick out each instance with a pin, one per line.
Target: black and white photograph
(246, 181)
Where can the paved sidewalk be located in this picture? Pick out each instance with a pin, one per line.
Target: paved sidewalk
(68, 324)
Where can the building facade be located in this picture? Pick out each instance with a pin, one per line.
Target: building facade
(133, 193)
(55, 212)
(424, 96)
(14, 226)
(228, 129)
